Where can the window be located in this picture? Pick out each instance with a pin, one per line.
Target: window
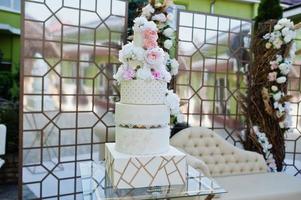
(11, 5)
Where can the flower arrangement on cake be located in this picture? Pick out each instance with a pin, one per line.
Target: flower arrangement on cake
(147, 57)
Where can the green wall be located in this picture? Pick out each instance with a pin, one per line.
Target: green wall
(222, 7)
(10, 43)
(10, 46)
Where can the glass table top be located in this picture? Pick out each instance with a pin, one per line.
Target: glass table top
(95, 185)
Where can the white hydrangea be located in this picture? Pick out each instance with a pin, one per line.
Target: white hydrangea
(166, 76)
(284, 22)
(263, 141)
(169, 32)
(173, 102)
(148, 10)
(150, 25)
(284, 68)
(277, 43)
(130, 52)
(159, 17)
(144, 74)
(139, 22)
(174, 67)
(168, 44)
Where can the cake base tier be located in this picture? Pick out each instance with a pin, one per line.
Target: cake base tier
(134, 171)
(142, 141)
(142, 115)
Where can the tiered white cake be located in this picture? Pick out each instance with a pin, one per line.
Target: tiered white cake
(142, 156)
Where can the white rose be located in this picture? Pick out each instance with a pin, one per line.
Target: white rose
(281, 79)
(285, 31)
(144, 74)
(169, 32)
(267, 36)
(168, 44)
(268, 45)
(274, 88)
(148, 10)
(159, 17)
(277, 27)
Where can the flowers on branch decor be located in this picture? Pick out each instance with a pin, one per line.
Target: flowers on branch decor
(266, 147)
(282, 34)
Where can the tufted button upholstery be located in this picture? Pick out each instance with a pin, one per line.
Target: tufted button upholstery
(221, 157)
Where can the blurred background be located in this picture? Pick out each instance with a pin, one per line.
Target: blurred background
(70, 53)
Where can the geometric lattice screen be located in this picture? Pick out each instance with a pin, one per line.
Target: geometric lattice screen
(293, 140)
(213, 52)
(70, 53)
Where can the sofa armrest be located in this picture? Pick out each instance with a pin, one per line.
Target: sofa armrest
(198, 164)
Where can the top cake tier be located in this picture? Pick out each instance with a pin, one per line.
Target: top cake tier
(143, 92)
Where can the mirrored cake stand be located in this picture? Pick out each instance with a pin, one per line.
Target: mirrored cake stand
(96, 186)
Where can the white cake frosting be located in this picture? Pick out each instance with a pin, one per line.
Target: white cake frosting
(143, 92)
(142, 141)
(142, 115)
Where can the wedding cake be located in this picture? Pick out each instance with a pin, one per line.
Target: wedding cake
(142, 156)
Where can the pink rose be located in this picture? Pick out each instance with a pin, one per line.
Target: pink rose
(156, 74)
(154, 56)
(128, 74)
(150, 34)
(149, 44)
(274, 65)
(272, 76)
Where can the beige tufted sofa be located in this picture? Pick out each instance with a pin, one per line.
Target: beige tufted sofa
(242, 173)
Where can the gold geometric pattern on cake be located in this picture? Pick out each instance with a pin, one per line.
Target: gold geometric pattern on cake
(152, 170)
